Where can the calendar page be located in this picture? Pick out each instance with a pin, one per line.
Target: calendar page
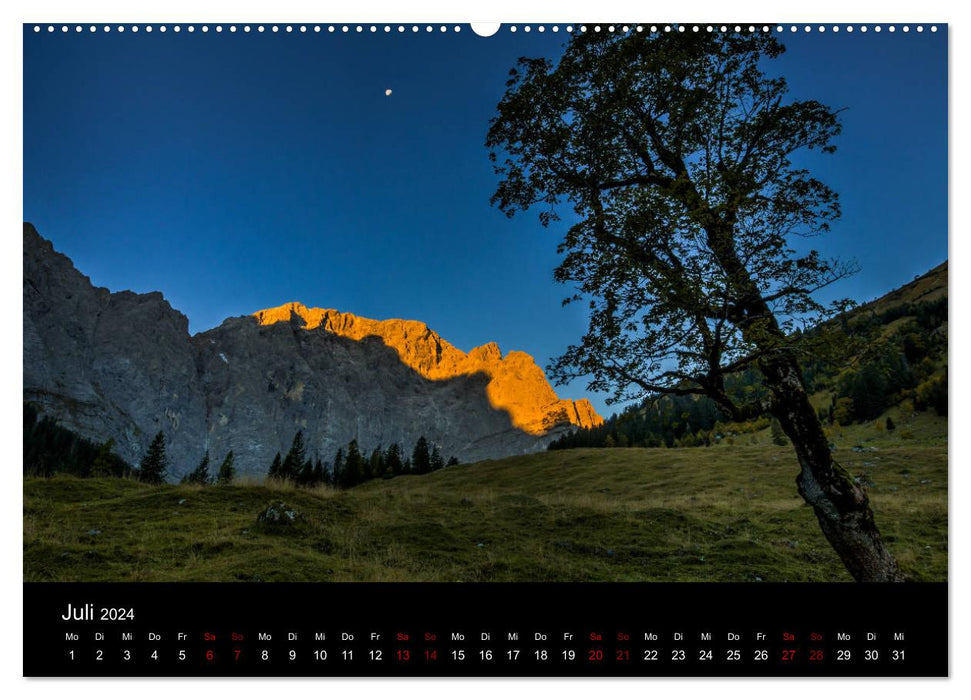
(592, 349)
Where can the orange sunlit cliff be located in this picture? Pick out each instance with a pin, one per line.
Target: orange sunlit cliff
(517, 385)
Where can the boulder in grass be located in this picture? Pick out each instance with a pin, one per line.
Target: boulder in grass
(278, 513)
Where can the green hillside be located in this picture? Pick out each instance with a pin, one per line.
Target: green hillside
(693, 514)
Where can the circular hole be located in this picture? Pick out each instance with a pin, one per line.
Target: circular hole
(161, 29)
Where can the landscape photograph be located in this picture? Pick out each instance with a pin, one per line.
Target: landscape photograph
(567, 303)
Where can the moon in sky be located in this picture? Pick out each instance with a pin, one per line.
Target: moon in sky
(387, 93)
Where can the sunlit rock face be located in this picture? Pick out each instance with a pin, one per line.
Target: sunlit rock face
(123, 365)
(516, 383)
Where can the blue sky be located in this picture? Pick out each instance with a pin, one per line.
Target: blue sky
(234, 172)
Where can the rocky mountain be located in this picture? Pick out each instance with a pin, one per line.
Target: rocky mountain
(123, 365)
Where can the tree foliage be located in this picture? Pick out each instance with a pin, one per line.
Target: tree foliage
(675, 153)
(227, 472)
(154, 465)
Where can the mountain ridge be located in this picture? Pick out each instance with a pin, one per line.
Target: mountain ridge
(122, 365)
(516, 385)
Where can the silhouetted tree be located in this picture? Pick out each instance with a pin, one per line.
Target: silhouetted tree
(295, 459)
(154, 465)
(353, 465)
(227, 472)
(436, 461)
(275, 466)
(420, 457)
(200, 475)
(674, 152)
(337, 475)
(376, 464)
(392, 460)
(103, 462)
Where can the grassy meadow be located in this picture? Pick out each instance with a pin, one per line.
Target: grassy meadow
(722, 513)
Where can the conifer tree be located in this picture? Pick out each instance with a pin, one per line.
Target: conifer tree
(154, 466)
(452, 461)
(376, 463)
(102, 465)
(275, 467)
(337, 474)
(436, 461)
(392, 460)
(200, 475)
(420, 458)
(890, 424)
(319, 474)
(353, 465)
(294, 461)
(227, 472)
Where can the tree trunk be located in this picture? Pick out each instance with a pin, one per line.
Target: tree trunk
(841, 506)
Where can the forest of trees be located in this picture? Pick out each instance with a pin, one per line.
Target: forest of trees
(50, 448)
(902, 368)
(352, 465)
